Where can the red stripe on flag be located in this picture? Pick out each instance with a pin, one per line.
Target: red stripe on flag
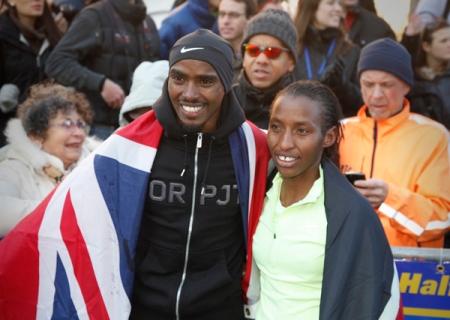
(19, 267)
(145, 130)
(81, 261)
(259, 190)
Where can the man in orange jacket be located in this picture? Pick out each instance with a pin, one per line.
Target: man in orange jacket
(404, 156)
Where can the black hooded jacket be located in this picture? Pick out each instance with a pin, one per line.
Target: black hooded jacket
(108, 39)
(341, 66)
(256, 102)
(431, 98)
(187, 234)
(19, 64)
(368, 27)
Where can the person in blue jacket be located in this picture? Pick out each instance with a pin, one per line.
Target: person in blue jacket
(186, 18)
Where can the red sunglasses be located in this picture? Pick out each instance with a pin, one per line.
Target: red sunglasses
(254, 50)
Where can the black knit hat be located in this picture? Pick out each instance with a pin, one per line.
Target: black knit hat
(275, 23)
(206, 46)
(387, 55)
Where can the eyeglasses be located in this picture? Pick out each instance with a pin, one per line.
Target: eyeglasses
(254, 50)
(70, 124)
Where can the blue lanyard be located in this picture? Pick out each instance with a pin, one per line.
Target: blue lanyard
(309, 72)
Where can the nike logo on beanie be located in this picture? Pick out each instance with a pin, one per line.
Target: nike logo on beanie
(184, 49)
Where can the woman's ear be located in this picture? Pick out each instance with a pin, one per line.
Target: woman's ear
(330, 137)
(426, 47)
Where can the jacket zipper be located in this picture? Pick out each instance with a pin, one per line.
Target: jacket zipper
(191, 223)
(375, 140)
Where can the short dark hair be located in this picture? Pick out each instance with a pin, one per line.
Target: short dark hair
(43, 103)
(250, 7)
(331, 112)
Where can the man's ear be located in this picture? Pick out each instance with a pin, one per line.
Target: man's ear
(330, 137)
(291, 63)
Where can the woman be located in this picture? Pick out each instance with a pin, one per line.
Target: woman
(430, 94)
(320, 250)
(324, 52)
(44, 145)
(27, 35)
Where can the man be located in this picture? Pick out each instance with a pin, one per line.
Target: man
(186, 18)
(99, 53)
(403, 155)
(269, 54)
(362, 25)
(196, 211)
(232, 20)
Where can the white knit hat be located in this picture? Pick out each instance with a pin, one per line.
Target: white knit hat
(148, 80)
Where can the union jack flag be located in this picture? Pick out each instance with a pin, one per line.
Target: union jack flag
(72, 257)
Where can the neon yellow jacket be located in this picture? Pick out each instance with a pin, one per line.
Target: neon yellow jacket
(409, 152)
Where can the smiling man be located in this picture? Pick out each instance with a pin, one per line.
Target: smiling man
(404, 155)
(159, 222)
(192, 246)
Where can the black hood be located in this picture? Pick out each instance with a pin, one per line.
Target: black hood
(134, 13)
(231, 116)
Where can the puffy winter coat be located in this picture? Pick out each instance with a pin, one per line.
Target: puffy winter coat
(23, 182)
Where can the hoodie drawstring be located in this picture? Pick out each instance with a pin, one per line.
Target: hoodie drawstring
(207, 165)
(185, 164)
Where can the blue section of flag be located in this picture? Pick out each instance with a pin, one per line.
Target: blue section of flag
(123, 189)
(63, 307)
(239, 153)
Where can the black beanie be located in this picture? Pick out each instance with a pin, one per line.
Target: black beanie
(206, 46)
(275, 23)
(387, 55)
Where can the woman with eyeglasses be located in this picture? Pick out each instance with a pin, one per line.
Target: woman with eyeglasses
(325, 53)
(269, 54)
(430, 95)
(45, 144)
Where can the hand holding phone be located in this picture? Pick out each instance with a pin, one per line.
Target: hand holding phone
(353, 176)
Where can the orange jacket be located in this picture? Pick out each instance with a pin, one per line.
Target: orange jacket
(410, 153)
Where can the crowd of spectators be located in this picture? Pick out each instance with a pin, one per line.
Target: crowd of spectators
(112, 53)
(329, 86)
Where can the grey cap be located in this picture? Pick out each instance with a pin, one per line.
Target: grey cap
(275, 23)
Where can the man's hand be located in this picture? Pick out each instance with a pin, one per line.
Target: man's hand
(113, 94)
(375, 190)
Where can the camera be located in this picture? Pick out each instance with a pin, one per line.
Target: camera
(68, 8)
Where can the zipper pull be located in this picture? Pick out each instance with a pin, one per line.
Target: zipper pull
(199, 140)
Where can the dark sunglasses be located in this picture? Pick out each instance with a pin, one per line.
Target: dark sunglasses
(254, 50)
